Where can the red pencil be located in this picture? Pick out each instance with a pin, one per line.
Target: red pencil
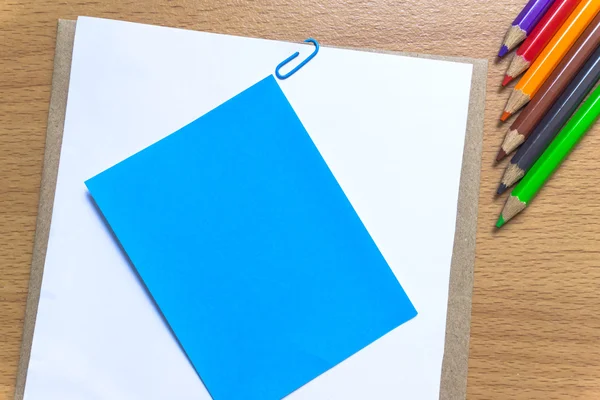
(539, 38)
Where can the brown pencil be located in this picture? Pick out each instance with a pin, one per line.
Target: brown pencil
(552, 89)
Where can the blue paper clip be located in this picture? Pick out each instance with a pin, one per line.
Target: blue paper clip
(290, 58)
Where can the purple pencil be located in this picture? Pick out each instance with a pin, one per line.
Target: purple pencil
(524, 24)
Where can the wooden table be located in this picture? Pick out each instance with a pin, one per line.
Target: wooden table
(536, 309)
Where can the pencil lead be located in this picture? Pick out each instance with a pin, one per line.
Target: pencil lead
(505, 115)
(503, 51)
(507, 79)
(500, 222)
(501, 189)
(501, 155)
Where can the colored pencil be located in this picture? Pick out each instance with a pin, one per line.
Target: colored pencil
(560, 44)
(552, 122)
(550, 160)
(539, 38)
(551, 89)
(524, 23)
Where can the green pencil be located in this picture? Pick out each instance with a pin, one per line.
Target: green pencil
(544, 167)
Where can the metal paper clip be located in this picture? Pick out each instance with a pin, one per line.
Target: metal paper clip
(293, 56)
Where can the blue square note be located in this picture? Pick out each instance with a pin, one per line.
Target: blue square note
(250, 248)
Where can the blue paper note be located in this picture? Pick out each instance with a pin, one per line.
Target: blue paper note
(250, 248)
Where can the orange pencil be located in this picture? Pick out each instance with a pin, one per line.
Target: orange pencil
(551, 55)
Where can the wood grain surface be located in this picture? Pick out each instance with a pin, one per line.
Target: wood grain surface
(536, 309)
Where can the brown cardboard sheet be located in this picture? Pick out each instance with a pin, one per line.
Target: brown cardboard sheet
(456, 354)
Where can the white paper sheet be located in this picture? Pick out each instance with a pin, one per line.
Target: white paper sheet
(391, 129)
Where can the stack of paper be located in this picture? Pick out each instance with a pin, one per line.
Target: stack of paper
(244, 235)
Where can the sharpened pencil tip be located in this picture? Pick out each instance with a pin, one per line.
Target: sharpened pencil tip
(500, 223)
(507, 79)
(501, 189)
(503, 51)
(505, 115)
(501, 155)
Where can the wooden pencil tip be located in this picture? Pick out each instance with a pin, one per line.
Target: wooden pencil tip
(501, 155)
(505, 115)
(514, 36)
(503, 51)
(516, 100)
(512, 207)
(507, 79)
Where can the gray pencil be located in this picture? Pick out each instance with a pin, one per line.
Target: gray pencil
(553, 121)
